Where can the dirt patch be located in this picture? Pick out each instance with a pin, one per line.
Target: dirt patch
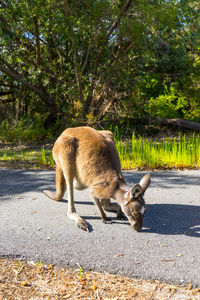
(30, 280)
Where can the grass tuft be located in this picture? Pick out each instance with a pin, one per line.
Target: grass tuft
(178, 152)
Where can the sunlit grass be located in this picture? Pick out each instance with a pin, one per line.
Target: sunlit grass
(29, 158)
(178, 152)
(139, 152)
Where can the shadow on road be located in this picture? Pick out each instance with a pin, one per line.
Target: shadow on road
(165, 219)
(172, 219)
(165, 179)
(77, 202)
(22, 181)
(16, 182)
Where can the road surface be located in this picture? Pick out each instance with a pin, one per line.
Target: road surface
(33, 227)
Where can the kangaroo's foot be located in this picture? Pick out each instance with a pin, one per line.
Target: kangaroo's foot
(82, 225)
(79, 221)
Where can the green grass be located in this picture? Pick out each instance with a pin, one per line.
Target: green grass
(25, 157)
(178, 152)
(139, 152)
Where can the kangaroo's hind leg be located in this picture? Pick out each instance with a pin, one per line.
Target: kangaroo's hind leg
(66, 158)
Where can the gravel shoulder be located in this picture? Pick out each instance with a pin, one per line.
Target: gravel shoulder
(34, 280)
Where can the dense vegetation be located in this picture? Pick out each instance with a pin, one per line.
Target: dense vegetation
(67, 62)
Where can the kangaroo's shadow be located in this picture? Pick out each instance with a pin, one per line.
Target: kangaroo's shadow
(111, 220)
(78, 202)
(172, 219)
(168, 219)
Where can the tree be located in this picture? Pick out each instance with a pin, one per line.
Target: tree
(55, 50)
(86, 58)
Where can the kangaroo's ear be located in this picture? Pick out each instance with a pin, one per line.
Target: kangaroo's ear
(145, 182)
(135, 191)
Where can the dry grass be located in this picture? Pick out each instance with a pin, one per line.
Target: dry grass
(29, 280)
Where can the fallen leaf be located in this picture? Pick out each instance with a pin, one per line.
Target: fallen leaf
(93, 287)
(190, 286)
(120, 254)
(163, 245)
(50, 266)
(24, 283)
(138, 262)
(167, 260)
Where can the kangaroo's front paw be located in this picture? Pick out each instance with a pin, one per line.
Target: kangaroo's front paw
(107, 220)
(82, 225)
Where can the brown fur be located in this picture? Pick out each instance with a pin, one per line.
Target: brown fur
(84, 158)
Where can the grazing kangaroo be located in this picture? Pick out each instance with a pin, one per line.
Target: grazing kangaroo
(85, 158)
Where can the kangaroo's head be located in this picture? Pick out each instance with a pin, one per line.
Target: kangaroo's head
(133, 204)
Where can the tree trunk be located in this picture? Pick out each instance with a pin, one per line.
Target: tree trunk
(180, 123)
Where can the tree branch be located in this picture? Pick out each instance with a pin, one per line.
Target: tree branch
(117, 21)
(39, 91)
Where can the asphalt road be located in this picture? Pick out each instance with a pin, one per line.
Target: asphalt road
(33, 227)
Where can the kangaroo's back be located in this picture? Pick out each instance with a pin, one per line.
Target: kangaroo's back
(96, 157)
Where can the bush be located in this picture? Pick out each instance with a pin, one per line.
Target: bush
(173, 104)
(25, 130)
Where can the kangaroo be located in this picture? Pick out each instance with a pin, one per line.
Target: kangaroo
(86, 157)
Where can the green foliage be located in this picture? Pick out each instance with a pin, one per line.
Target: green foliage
(80, 275)
(26, 130)
(95, 59)
(46, 158)
(173, 103)
(168, 105)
